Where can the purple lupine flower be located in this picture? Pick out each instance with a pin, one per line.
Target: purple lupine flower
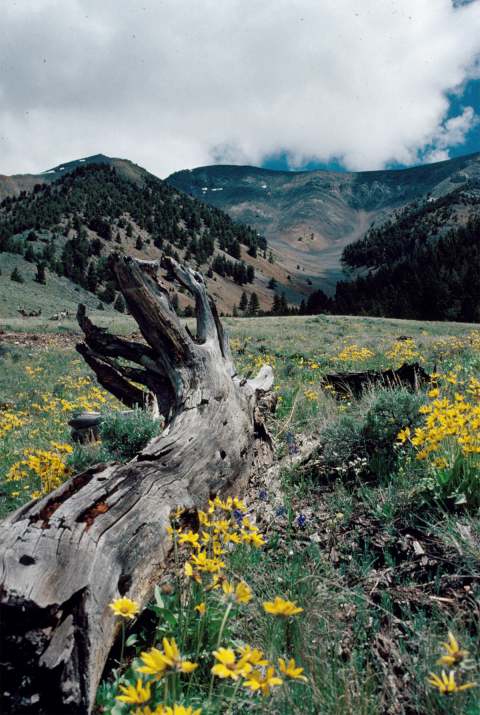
(289, 437)
(238, 516)
(281, 512)
(301, 519)
(263, 495)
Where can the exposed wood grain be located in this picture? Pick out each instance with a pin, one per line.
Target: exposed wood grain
(102, 535)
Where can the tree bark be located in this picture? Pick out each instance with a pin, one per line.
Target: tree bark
(101, 535)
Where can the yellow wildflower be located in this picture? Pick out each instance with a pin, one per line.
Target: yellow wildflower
(281, 608)
(136, 695)
(154, 664)
(455, 655)
(446, 684)
(177, 710)
(191, 573)
(253, 656)
(256, 681)
(289, 671)
(188, 538)
(157, 663)
(172, 658)
(240, 594)
(228, 666)
(124, 607)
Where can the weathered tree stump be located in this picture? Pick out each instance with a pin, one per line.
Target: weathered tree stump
(101, 535)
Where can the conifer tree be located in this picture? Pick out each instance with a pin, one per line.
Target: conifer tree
(276, 304)
(243, 305)
(253, 304)
(92, 278)
(40, 277)
(119, 304)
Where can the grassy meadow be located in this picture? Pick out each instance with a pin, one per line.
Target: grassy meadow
(355, 558)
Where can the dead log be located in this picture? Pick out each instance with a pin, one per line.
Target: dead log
(101, 535)
(354, 382)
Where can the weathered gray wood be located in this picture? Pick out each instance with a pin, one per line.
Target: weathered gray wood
(102, 535)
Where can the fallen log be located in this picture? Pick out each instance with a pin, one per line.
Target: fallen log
(101, 535)
(354, 382)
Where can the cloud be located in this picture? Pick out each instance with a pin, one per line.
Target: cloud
(180, 83)
(450, 134)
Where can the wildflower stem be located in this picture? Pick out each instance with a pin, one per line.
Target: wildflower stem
(210, 694)
(234, 694)
(220, 698)
(219, 640)
(117, 679)
(177, 580)
(165, 693)
(264, 700)
(225, 617)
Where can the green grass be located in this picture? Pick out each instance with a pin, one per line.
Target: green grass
(381, 574)
(58, 294)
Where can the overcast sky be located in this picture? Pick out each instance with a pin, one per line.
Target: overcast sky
(176, 84)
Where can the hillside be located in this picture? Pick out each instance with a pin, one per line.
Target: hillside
(416, 266)
(309, 217)
(83, 211)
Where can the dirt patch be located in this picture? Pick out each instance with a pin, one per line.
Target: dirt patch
(47, 341)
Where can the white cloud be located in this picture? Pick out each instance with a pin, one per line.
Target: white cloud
(183, 83)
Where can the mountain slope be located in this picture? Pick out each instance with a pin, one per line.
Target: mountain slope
(309, 217)
(74, 219)
(419, 267)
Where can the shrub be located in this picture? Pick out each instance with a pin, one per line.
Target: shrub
(448, 445)
(124, 436)
(16, 276)
(371, 435)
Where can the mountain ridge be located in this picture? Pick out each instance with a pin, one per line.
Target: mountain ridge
(337, 208)
(307, 217)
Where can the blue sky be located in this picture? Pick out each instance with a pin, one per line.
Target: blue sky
(300, 84)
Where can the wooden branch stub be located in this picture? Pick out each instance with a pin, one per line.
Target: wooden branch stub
(148, 301)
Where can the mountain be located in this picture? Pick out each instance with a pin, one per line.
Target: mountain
(14, 185)
(309, 217)
(219, 219)
(79, 213)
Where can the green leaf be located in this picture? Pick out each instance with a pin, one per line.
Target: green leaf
(158, 597)
(169, 616)
(131, 640)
